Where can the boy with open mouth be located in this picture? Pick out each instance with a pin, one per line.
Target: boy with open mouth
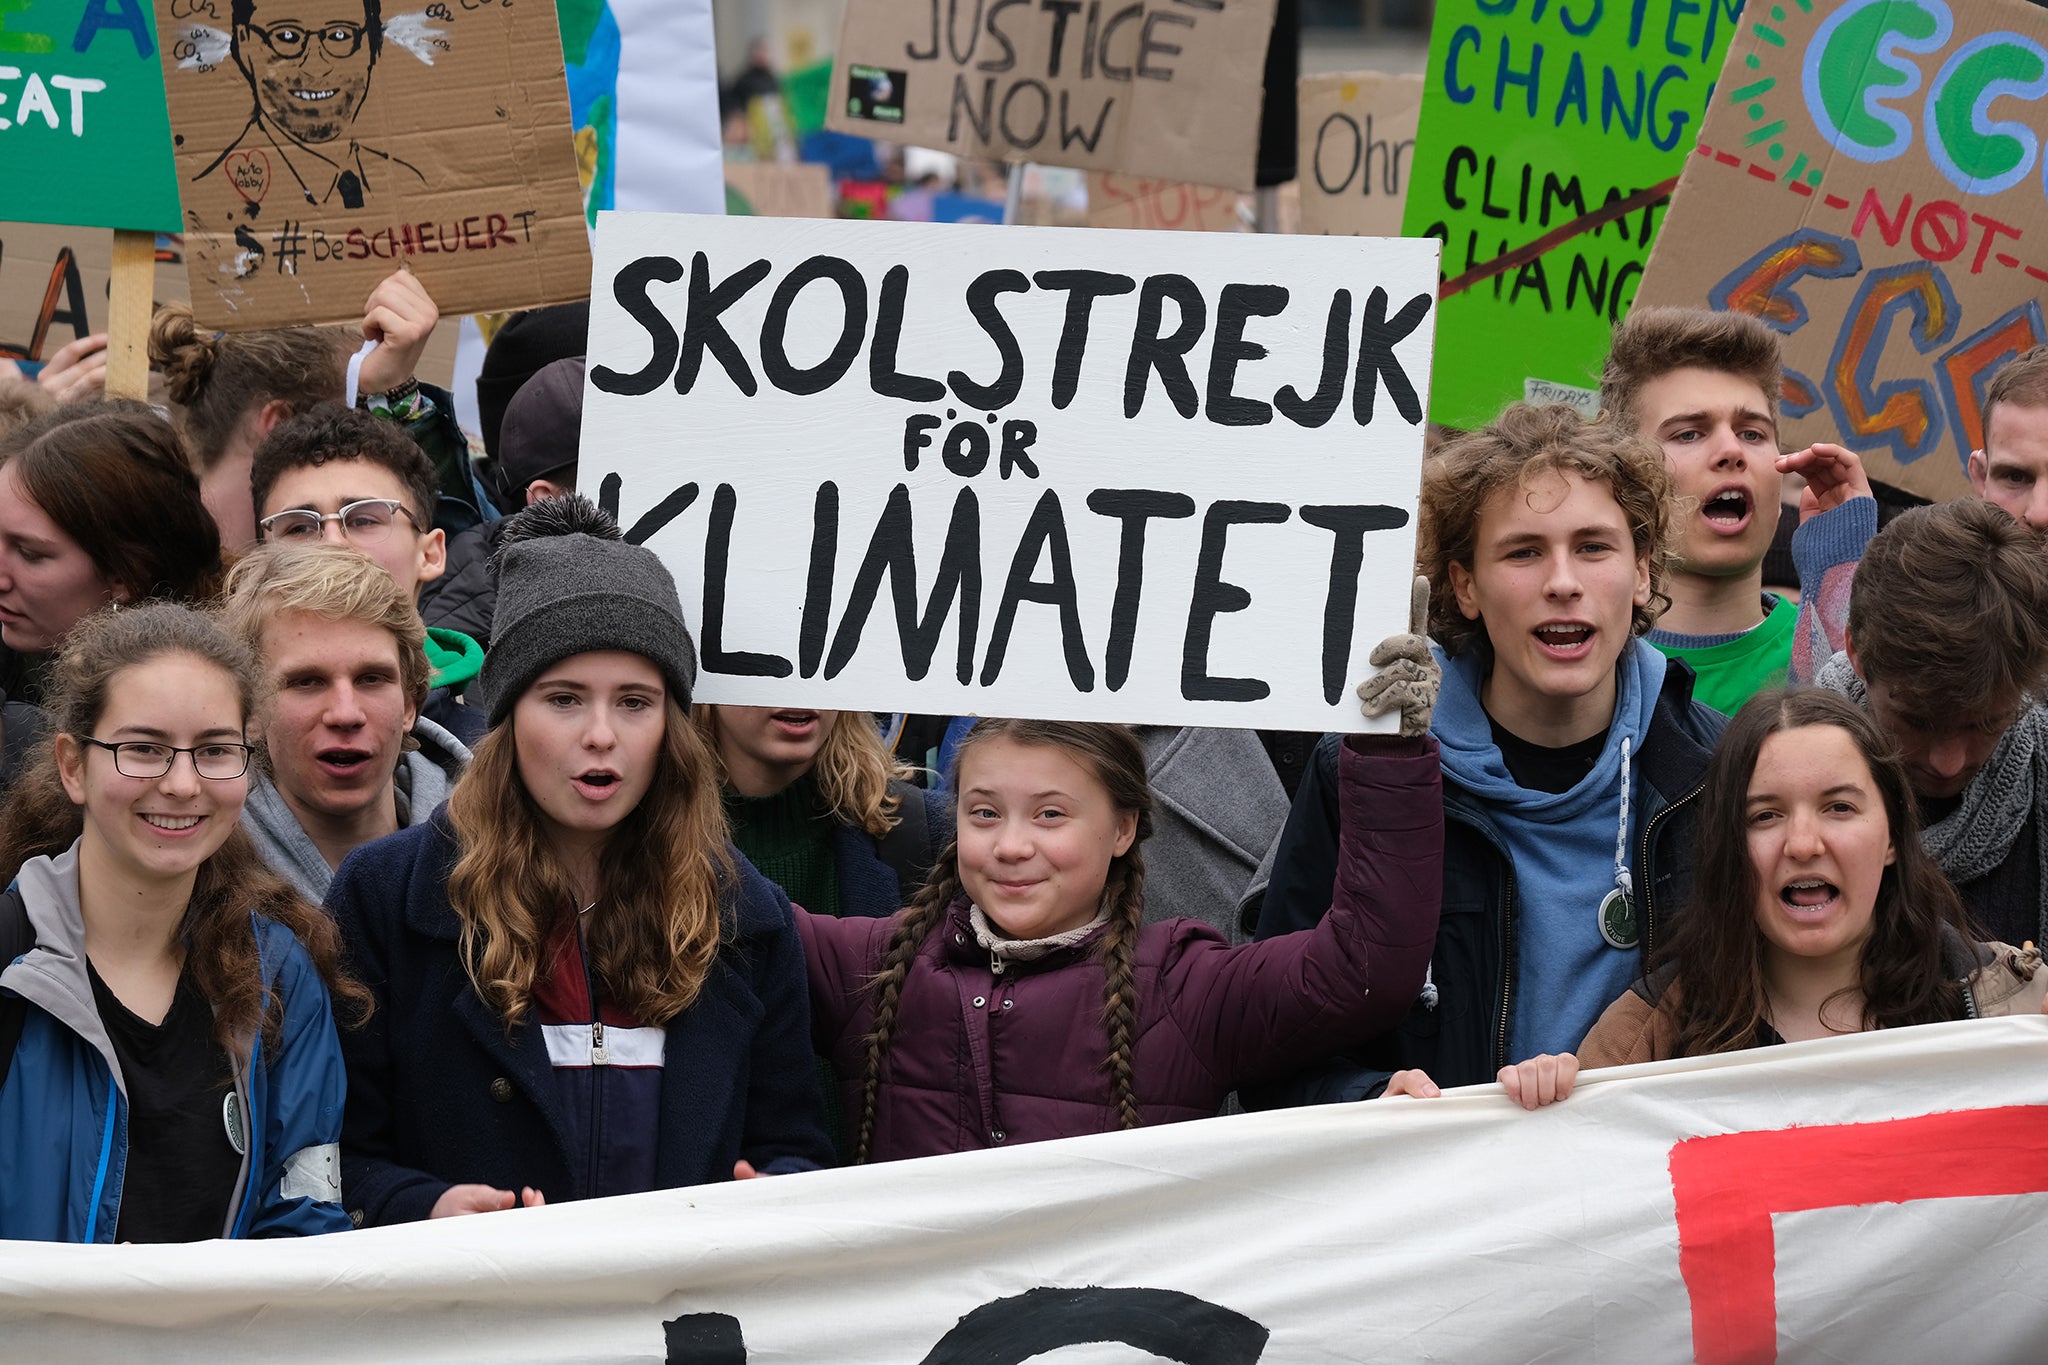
(1705, 387)
(1572, 754)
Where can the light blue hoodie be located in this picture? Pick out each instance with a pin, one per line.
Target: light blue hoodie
(1564, 851)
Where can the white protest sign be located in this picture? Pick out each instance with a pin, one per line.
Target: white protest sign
(1086, 474)
(1880, 1197)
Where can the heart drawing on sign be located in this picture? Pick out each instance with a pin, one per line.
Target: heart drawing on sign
(249, 173)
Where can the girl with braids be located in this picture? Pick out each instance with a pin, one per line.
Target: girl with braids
(581, 990)
(164, 998)
(1814, 909)
(1022, 997)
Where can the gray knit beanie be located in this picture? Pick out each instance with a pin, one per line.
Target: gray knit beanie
(568, 584)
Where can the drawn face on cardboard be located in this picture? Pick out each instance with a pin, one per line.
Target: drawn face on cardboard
(309, 62)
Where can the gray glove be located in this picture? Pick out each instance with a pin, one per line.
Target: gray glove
(1408, 677)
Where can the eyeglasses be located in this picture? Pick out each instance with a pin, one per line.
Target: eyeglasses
(364, 523)
(217, 762)
(289, 40)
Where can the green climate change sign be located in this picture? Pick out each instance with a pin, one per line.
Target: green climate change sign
(1551, 136)
(84, 136)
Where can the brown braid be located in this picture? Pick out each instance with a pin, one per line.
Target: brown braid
(1125, 901)
(913, 925)
(1112, 753)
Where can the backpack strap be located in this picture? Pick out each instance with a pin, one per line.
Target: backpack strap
(17, 936)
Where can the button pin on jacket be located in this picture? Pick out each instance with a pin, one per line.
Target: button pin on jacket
(501, 1090)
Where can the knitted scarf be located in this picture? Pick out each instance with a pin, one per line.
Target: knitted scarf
(1979, 833)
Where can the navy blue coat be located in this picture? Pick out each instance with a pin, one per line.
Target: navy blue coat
(441, 1093)
(879, 877)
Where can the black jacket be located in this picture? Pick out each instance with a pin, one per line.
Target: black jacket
(465, 596)
(878, 877)
(1458, 1031)
(441, 1093)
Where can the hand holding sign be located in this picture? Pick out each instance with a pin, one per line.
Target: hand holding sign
(78, 370)
(1409, 676)
(1834, 475)
(400, 317)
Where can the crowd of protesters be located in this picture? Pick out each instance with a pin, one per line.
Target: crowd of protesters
(366, 860)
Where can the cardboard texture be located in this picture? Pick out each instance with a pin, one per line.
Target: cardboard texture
(1126, 201)
(313, 162)
(773, 189)
(1547, 136)
(53, 285)
(1868, 183)
(84, 139)
(1154, 477)
(1356, 148)
(1164, 88)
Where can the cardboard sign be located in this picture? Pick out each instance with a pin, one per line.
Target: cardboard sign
(84, 139)
(1867, 183)
(1162, 88)
(1357, 146)
(772, 189)
(1550, 138)
(53, 285)
(313, 161)
(1163, 477)
(1123, 201)
(1846, 1199)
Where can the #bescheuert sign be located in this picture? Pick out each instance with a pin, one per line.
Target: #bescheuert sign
(1085, 474)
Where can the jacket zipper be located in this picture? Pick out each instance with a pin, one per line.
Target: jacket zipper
(599, 1059)
(1643, 865)
(1507, 972)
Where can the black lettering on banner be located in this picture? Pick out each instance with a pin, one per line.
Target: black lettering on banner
(1019, 435)
(892, 550)
(1071, 130)
(1163, 1323)
(629, 287)
(1134, 507)
(1377, 362)
(1166, 354)
(1082, 288)
(703, 331)
(1313, 412)
(853, 291)
(1047, 529)
(1348, 526)
(917, 436)
(1024, 142)
(704, 1339)
(662, 513)
(717, 550)
(981, 301)
(1213, 597)
(1110, 70)
(883, 376)
(1160, 1322)
(812, 625)
(1237, 303)
(966, 448)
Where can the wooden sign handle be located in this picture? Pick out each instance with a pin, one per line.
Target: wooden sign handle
(130, 301)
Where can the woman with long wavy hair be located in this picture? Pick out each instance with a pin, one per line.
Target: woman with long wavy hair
(581, 991)
(166, 1035)
(1814, 910)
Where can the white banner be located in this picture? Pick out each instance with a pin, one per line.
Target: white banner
(1129, 476)
(1874, 1199)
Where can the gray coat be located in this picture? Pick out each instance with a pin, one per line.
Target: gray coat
(1219, 810)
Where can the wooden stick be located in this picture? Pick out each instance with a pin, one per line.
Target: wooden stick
(129, 304)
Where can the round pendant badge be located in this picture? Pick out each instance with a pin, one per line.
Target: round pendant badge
(231, 1118)
(1618, 920)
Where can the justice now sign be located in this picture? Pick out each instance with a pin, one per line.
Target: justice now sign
(1873, 1198)
(1083, 474)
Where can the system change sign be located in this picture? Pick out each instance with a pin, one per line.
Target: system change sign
(1093, 475)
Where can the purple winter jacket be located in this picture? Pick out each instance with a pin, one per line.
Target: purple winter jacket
(983, 1059)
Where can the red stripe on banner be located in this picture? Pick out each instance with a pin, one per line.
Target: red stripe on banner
(1728, 1186)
